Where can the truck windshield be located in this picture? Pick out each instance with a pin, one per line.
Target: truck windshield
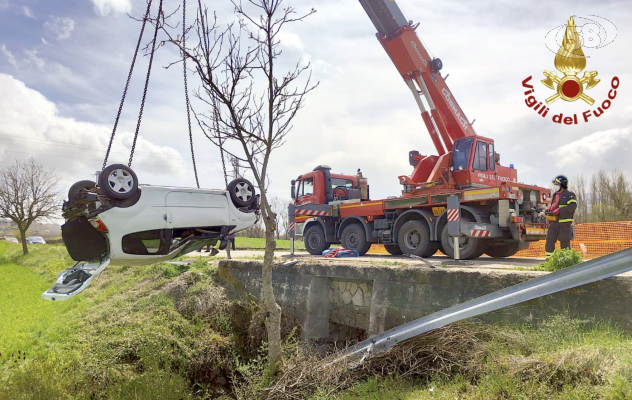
(461, 154)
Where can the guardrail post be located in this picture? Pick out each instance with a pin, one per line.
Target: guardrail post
(454, 222)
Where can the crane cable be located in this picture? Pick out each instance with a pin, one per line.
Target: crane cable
(142, 103)
(129, 77)
(186, 90)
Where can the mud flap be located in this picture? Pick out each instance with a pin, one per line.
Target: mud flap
(75, 280)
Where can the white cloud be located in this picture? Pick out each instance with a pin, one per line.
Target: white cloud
(32, 127)
(599, 150)
(106, 7)
(9, 56)
(28, 13)
(32, 59)
(4, 4)
(60, 27)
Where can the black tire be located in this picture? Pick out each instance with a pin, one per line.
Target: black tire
(393, 249)
(470, 247)
(76, 188)
(413, 238)
(503, 250)
(354, 238)
(242, 193)
(118, 182)
(314, 239)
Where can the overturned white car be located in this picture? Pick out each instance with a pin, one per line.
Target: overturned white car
(121, 222)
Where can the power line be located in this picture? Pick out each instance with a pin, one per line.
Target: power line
(90, 159)
(70, 145)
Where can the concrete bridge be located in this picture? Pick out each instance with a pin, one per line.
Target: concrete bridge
(339, 298)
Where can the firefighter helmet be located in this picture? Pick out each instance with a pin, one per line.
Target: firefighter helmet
(562, 181)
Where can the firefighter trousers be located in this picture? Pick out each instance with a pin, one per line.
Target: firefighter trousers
(558, 231)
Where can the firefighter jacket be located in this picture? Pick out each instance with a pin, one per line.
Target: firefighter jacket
(567, 204)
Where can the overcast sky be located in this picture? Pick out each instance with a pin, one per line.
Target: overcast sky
(63, 66)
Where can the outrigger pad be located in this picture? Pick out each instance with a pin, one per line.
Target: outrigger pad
(75, 280)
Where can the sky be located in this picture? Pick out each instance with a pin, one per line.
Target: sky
(63, 67)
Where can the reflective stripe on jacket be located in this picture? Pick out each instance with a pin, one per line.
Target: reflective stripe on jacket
(567, 204)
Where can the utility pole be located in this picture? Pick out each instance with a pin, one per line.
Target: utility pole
(235, 163)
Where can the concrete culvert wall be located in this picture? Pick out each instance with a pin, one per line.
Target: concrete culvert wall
(326, 294)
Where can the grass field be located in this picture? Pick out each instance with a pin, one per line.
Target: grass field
(260, 243)
(168, 332)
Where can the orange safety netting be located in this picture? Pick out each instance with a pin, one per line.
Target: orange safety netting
(592, 239)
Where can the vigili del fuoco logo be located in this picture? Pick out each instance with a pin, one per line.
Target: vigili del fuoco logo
(571, 61)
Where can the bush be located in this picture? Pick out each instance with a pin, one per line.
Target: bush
(560, 259)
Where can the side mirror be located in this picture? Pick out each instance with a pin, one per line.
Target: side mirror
(293, 190)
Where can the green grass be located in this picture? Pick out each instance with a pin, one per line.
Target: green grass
(260, 243)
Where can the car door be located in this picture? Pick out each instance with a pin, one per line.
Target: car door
(197, 209)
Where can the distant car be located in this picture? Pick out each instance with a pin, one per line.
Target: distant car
(121, 222)
(35, 240)
(11, 239)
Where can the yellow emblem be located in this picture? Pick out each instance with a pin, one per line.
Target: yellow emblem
(570, 61)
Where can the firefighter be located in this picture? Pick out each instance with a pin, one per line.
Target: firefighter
(560, 216)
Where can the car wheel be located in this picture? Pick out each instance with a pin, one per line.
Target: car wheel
(393, 249)
(413, 239)
(354, 238)
(469, 247)
(503, 250)
(314, 239)
(118, 181)
(76, 188)
(242, 193)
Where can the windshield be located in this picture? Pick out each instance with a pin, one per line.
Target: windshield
(461, 154)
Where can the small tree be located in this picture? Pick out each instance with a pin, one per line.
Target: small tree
(233, 64)
(279, 207)
(28, 193)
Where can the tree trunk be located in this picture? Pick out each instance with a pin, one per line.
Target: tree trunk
(273, 317)
(25, 249)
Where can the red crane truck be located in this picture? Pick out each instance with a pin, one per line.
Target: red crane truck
(499, 215)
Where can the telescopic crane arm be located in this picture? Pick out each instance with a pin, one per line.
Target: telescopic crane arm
(446, 122)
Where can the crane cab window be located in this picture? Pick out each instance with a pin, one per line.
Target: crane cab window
(307, 187)
(461, 154)
(480, 157)
(345, 183)
(492, 161)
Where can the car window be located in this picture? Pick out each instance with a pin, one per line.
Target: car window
(155, 241)
(308, 187)
(480, 157)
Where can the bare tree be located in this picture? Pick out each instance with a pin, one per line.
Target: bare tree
(252, 106)
(279, 207)
(28, 193)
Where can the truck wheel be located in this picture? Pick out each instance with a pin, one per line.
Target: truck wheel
(314, 239)
(354, 238)
(503, 250)
(413, 239)
(469, 248)
(393, 249)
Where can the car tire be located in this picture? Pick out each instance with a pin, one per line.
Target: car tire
(393, 249)
(413, 238)
(354, 238)
(315, 241)
(471, 249)
(503, 250)
(118, 182)
(242, 193)
(76, 188)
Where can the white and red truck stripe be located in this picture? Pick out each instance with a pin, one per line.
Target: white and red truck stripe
(292, 225)
(312, 213)
(480, 233)
(453, 214)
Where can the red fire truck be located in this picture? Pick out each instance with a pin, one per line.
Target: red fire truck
(499, 215)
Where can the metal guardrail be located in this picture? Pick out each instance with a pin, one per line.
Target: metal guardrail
(578, 275)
